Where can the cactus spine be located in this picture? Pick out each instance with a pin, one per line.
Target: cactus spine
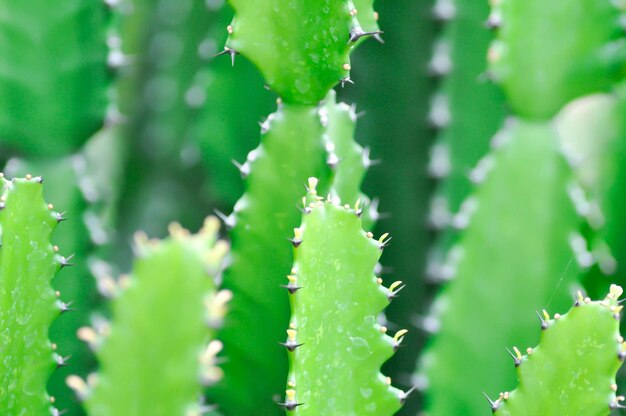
(336, 346)
(302, 53)
(170, 304)
(54, 71)
(28, 261)
(511, 238)
(572, 371)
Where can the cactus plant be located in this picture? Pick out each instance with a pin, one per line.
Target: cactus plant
(54, 70)
(347, 158)
(73, 183)
(593, 133)
(544, 266)
(332, 325)
(466, 110)
(262, 221)
(29, 304)
(292, 149)
(529, 153)
(167, 303)
(572, 371)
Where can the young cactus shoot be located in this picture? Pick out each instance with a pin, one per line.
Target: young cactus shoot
(572, 371)
(335, 343)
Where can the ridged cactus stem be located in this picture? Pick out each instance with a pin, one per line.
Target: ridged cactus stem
(572, 371)
(28, 304)
(292, 149)
(159, 347)
(347, 158)
(336, 345)
(466, 110)
(511, 241)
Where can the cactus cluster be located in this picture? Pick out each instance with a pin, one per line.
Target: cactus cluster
(120, 120)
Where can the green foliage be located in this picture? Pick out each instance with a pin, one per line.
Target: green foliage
(336, 345)
(302, 50)
(54, 72)
(28, 261)
(156, 351)
(543, 64)
(291, 150)
(513, 259)
(572, 371)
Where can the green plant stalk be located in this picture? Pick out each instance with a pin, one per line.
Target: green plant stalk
(572, 371)
(336, 346)
(287, 43)
(395, 100)
(347, 158)
(291, 150)
(164, 317)
(467, 111)
(574, 62)
(512, 241)
(594, 135)
(28, 261)
(71, 183)
(54, 69)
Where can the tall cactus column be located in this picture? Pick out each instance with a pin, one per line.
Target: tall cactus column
(54, 80)
(521, 251)
(302, 52)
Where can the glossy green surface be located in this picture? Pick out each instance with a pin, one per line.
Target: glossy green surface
(291, 150)
(301, 47)
(542, 63)
(572, 370)
(28, 304)
(150, 364)
(350, 160)
(514, 258)
(336, 370)
(53, 74)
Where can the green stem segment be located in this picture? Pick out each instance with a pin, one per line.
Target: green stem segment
(291, 150)
(572, 371)
(336, 345)
(28, 304)
(512, 241)
(163, 319)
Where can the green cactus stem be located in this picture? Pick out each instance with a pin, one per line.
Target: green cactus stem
(29, 304)
(291, 150)
(155, 354)
(348, 159)
(335, 344)
(54, 71)
(72, 182)
(512, 241)
(302, 51)
(466, 110)
(594, 136)
(573, 62)
(572, 371)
